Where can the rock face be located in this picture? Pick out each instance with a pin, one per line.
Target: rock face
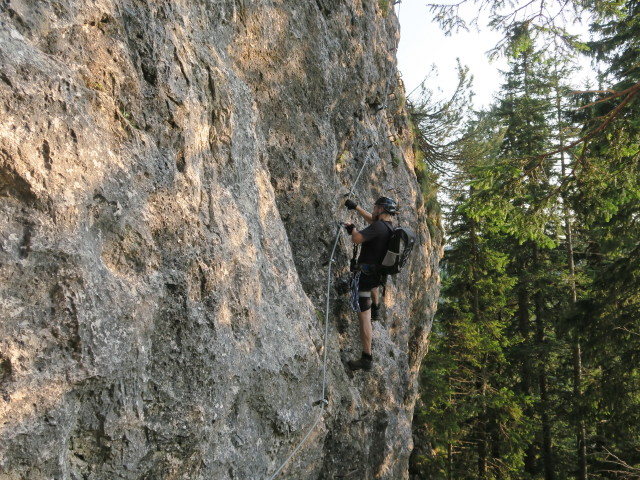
(171, 178)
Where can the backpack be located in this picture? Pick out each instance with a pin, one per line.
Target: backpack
(398, 250)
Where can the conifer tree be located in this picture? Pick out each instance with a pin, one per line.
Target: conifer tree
(608, 203)
(539, 326)
(525, 108)
(470, 420)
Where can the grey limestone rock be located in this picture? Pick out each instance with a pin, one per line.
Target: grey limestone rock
(171, 178)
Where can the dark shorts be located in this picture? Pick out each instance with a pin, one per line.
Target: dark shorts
(361, 286)
(368, 282)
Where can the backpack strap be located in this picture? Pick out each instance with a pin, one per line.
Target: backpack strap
(381, 277)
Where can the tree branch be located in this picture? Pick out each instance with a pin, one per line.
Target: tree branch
(628, 95)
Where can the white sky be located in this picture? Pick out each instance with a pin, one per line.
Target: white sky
(423, 44)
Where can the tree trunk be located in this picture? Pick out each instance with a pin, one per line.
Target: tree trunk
(547, 441)
(581, 435)
(450, 461)
(483, 461)
(527, 373)
(481, 429)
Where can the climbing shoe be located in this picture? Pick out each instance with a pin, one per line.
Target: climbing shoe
(364, 363)
(374, 311)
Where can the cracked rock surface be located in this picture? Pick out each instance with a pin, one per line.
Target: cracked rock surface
(171, 178)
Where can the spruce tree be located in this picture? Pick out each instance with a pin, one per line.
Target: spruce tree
(538, 332)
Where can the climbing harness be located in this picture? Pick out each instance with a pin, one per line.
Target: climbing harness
(323, 402)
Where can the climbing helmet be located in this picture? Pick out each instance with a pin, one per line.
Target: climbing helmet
(389, 204)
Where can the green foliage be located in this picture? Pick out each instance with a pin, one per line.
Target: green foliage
(383, 5)
(127, 120)
(537, 339)
(427, 180)
(437, 128)
(343, 158)
(439, 125)
(461, 395)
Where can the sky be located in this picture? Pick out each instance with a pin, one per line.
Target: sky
(422, 44)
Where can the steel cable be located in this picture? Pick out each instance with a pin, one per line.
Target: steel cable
(324, 402)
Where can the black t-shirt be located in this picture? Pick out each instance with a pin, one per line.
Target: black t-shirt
(376, 239)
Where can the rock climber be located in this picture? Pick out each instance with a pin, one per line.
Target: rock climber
(374, 240)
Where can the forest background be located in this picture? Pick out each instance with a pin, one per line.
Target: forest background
(532, 370)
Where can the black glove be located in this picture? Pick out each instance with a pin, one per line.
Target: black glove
(350, 204)
(349, 227)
